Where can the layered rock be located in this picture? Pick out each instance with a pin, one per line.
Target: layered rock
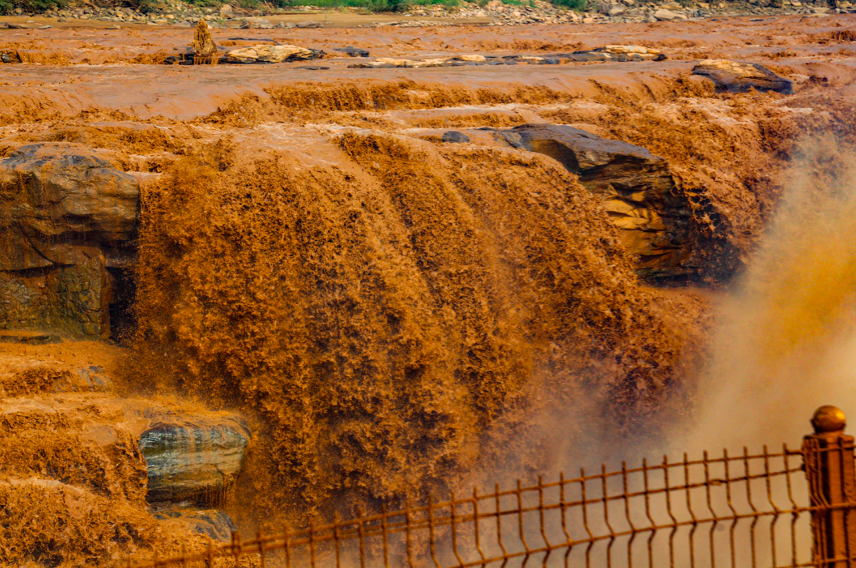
(45, 522)
(738, 77)
(85, 440)
(606, 53)
(66, 215)
(193, 458)
(629, 53)
(127, 448)
(635, 187)
(660, 221)
(28, 376)
(73, 478)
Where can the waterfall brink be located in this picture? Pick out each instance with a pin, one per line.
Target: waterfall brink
(397, 315)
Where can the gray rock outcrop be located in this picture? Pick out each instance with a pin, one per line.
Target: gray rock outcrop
(636, 188)
(455, 137)
(738, 77)
(192, 457)
(66, 214)
(351, 51)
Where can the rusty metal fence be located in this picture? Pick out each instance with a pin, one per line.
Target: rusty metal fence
(770, 509)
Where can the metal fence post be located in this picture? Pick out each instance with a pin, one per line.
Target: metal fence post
(829, 465)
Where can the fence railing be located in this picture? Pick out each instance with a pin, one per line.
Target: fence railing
(788, 508)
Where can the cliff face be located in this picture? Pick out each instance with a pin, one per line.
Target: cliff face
(65, 216)
(636, 189)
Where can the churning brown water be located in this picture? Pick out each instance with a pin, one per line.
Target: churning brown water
(396, 315)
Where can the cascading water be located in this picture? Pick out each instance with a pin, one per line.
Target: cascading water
(397, 316)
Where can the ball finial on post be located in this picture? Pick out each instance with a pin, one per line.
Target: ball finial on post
(828, 419)
(830, 466)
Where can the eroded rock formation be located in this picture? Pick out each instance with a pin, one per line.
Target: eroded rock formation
(203, 46)
(212, 523)
(66, 215)
(269, 54)
(635, 187)
(75, 479)
(739, 77)
(193, 458)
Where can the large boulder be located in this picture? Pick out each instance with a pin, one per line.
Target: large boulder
(270, 54)
(738, 77)
(66, 214)
(134, 448)
(636, 188)
(62, 193)
(193, 457)
(664, 15)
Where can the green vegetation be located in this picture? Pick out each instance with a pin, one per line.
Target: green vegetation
(578, 5)
(8, 6)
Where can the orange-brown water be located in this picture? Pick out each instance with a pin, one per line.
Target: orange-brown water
(399, 317)
(394, 316)
(785, 345)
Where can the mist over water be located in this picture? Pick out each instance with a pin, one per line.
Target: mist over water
(785, 342)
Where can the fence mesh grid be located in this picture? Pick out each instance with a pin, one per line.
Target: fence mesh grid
(728, 511)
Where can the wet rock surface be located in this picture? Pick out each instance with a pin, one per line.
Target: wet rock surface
(193, 458)
(628, 53)
(29, 338)
(73, 479)
(738, 77)
(352, 51)
(65, 215)
(636, 188)
(64, 438)
(35, 376)
(60, 192)
(212, 523)
(619, 53)
(255, 54)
